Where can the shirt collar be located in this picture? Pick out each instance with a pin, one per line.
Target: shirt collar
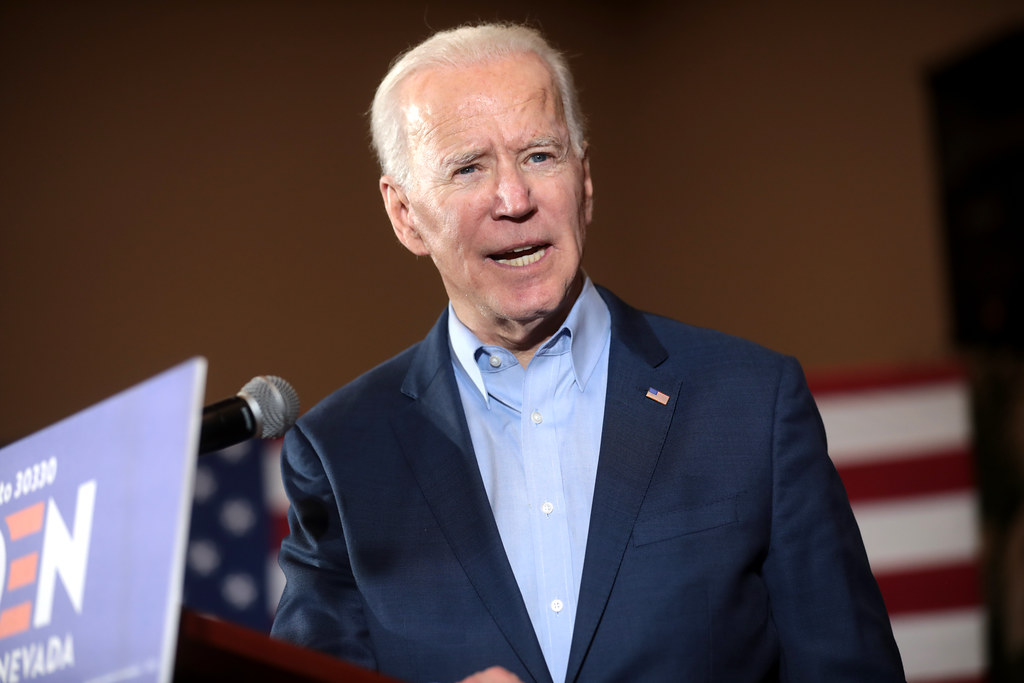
(588, 325)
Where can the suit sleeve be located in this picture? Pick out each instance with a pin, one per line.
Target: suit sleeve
(321, 607)
(829, 613)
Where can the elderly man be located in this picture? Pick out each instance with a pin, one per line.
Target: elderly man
(553, 485)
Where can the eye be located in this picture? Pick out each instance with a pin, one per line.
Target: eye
(466, 170)
(539, 157)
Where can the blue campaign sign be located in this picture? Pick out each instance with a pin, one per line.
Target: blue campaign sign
(93, 524)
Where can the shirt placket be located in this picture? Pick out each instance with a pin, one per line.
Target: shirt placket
(549, 522)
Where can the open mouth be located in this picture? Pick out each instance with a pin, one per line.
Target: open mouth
(521, 256)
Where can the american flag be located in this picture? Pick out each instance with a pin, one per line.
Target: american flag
(901, 441)
(661, 398)
(238, 520)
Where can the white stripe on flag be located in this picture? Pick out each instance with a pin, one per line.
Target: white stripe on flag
(273, 488)
(907, 533)
(275, 583)
(864, 426)
(942, 645)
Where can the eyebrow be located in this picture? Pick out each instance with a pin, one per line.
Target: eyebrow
(461, 158)
(546, 141)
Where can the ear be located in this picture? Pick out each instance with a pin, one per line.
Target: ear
(588, 185)
(396, 203)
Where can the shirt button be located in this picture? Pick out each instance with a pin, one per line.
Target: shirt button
(556, 605)
(537, 419)
(495, 362)
(547, 508)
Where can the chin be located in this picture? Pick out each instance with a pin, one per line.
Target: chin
(534, 308)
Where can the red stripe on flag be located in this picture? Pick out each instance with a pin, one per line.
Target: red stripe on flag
(926, 590)
(278, 530)
(939, 472)
(882, 377)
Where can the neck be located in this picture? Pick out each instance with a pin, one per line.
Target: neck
(524, 337)
(524, 340)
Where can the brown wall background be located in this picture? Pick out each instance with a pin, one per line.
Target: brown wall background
(183, 179)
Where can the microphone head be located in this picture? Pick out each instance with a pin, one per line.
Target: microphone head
(274, 403)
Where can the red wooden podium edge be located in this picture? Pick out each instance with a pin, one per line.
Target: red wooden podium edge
(209, 647)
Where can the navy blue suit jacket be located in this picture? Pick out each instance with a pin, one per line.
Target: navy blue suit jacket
(721, 543)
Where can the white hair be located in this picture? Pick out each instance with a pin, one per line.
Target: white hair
(459, 47)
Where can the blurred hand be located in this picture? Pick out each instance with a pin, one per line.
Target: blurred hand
(493, 675)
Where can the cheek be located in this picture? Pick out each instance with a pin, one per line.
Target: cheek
(445, 242)
(433, 224)
(460, 223)
(452, 225)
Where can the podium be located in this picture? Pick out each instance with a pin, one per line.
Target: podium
(94, 517)
(213, 650)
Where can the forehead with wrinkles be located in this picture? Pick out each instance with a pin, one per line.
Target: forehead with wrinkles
(443, 102)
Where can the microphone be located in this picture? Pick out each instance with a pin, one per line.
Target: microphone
(265, 407)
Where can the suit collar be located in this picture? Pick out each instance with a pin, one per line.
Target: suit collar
(431, 357)
(631, 328)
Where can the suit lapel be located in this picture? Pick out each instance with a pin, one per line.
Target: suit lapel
(438, 447)
(634, 432)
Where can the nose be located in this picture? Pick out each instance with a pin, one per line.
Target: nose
(513, 199)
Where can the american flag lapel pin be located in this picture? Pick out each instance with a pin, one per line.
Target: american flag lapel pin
(656, 395)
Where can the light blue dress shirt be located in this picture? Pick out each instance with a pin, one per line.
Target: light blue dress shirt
(537, 433)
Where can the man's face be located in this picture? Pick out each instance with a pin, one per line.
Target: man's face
(496, 196)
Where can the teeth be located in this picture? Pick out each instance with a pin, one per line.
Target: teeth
(523, 260)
